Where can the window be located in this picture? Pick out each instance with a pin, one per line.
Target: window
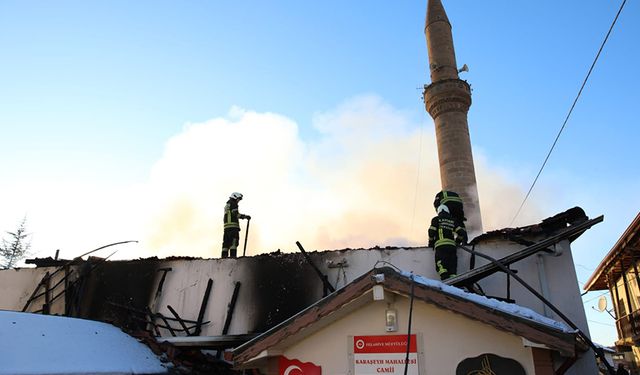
(621, 308)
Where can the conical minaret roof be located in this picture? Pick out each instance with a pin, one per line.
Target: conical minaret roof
(442, 55)
(435, 12)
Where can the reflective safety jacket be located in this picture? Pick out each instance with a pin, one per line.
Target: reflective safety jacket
(446, 230)
(231, 214)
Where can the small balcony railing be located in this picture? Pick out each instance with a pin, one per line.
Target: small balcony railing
(629, 326)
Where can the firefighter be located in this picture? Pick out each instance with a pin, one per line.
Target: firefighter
(445, 233)
(453, 202)
(232, 226)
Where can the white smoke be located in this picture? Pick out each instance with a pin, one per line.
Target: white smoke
(369, 179)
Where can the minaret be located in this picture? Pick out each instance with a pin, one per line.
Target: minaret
(447, 99)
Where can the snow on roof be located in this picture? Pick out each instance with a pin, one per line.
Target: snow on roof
(46, 344)
(509, 308)
(605, 348)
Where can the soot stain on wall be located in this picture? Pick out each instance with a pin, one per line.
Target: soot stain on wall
(125, 283)
(284, 284)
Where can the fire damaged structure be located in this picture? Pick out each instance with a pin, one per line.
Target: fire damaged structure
(182, 306)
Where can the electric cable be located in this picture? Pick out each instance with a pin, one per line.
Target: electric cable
(591, 299)
(604, 324)
(544, 163)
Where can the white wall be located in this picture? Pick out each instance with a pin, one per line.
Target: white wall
(447, 338)
(17, 285)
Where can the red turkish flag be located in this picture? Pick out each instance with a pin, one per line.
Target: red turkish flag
(295, 367)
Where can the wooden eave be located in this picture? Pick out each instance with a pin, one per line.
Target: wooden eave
(621, 256)
(564, 342)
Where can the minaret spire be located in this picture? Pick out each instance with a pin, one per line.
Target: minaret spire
(447, 99)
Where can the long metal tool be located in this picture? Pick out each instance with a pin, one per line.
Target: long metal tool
(246, 234)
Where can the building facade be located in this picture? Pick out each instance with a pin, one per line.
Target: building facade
(618, 273)
(440, 329)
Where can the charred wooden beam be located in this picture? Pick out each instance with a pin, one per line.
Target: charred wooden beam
(142, 312)
(149, 317)
(203, 307)
(156, 296)
(182, 324)
(489, 269)
(325, 281)
(160, 325)
(67, 300)
(83, 276)
(55, 286)
(46, 308)
(160, 285)
(231, 308)
(168, 326)
(35, 291)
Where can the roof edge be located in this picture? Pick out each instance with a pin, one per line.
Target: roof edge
(611, 255)
(553, 337)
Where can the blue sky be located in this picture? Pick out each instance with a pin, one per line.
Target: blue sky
(93, 93)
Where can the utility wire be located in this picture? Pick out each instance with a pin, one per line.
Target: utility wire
(604, 324)
(570, 111)
(593, 298)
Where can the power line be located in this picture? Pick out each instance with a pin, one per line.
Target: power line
(591, 299)
(604, 324)
(570, 111)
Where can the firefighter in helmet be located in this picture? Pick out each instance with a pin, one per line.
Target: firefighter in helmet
(445, 232)
(231, 220)
(453, 202)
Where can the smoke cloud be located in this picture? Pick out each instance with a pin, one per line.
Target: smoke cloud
(367, 179)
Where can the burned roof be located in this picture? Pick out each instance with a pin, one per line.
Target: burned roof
(551, 225)
(622, 255)
(515, 319)
(50, 262)
(572, 216)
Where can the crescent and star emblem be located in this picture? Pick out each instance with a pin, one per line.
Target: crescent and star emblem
(291, 368)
